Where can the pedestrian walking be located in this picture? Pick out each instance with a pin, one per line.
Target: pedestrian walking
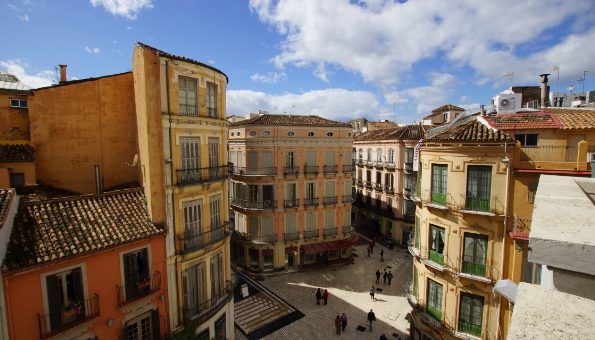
(325, 296)
(338, 324)
(318, 296)
(373, 242)
(383, 337)
(344, 322)
(372, 247)
(389, 277)
(372, 291)
(377, 276)
(369, 251)
(381, 255)
(371, 318)
(384, 276)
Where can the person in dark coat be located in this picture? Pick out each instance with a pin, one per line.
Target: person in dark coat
(371, 318)
(318, 296)
(389, 277)
(372, 292)
(344, 322)
(381, 255)
(371, 247)
(377, 276)
(368, 251)
(383, 337)
(384, 275)
(325, 296)
(338, 324)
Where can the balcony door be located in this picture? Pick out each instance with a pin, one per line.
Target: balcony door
(190, 154)
(136, 273)
(65, 293)
(215, 210)
(195, 293)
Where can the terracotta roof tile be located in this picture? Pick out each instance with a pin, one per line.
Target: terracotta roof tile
(54, 229)
(473, 131)
(16, 153)
(6, 196)
(441, 109)
(381, 125)
(525, 120)
(574, 118)
(409, 132)
(290, 120)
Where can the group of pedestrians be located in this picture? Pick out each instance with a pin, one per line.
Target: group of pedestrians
(387, 275)
(320, 295)
(341, 323)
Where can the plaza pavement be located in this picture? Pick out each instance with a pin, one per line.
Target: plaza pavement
(349, 286)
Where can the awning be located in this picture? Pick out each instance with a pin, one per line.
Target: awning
(290, 249)
(325, 246)
(506, 288)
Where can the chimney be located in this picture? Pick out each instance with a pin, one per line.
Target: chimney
(482, 109)
(544, 94)
(62, 73)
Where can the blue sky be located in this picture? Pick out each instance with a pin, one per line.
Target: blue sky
(340, 59)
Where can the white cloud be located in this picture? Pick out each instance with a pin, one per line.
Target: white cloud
(334, 103)
(382, 39)
(427, 97)
(17, 67)
(92, 50)
(13, 7)
(24, 18)
(126, 8)
(269, 78)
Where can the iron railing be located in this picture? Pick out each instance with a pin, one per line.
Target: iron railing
(66, 317)
(311, 234)
(309, 202)
(329, 200)
(291, 236)
(195, 314)
(378, 187)
(292, 203)
(291, 170)
(389, 165)
(477, 204)
(389, 189)
(330, 169)
(436, 257)
(521, 228)
(311, 170)
(368, 184)
(133, 291)
(271, 238)
(348, 168)
(438, 198)
(248, 204)
(212, 112)
(359, 183)
(189, 110)
(348, 198)
(193, 242)
(247, 171)
(327, 232)
(202, 175)
(469, 328)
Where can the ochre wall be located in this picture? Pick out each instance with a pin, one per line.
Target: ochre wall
(102, 273)
(14, 122)
(77, 126)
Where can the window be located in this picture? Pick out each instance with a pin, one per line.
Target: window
(360, 154)
(436, 244)
(65, 294)
(479, 182)
(142, 327)
(192, 218)
(474, 254)
(213, 157)
(378, 155)
(290, 160)
(291, 227)
(187, 96)
(310, 224)
(527, 139)
(217, 276)
(212, 99)
(290, 195)
(439, 176)
(17, 180)
(215, 208)
(415, 282)
(266, 133)
(470, 314)
(190, 152)
(290, 133)
(252, 133)
(369, 155)
(137, 280)
(310, 134)
(434, 299)
(391, 155)
(329, 219)
(330, 134)
(194, 282)
(408, 155)
(310, 191)
(220, 332)
(19, 103)
(416, 233)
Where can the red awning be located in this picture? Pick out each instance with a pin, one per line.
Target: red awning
(333, 245)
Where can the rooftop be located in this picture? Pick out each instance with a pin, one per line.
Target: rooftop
(6, 195)
(528, 120)
(563, 223)
(290, 120)
(381, 125)
(443, 108)
(471, 131)
(541, 313)
(16, 153)
(12, 83)
(574, 118)
(55, 229)
(409, 132)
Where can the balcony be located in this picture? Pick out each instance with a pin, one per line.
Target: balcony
(202, 175)
(311, 234)
(360, 162)
(477, 204)
(258, 205)
(408, 168)
(67, 317)
(438, 198)
(554, 157)
(369, 163)
(329, 200)
(291, 170)
(434, 312)
(329, 232)
(348, 199)
(188, 110)
(368, 184)
(379, 165)
(389, 189)
(136, 290)
(478, 272)
(292, 203)
(310, 202)
(521, 229)
(291, 236)
(411, 297)
(347, 229)
(248, 171)
(330, 169)
(359, 183)
(465, 327)
(436, 257)
(348, 168)
(548, 153)
(272, 238)
(378, 187)
(192, 243)
(474, 269)
(197, 314)
(311, 170)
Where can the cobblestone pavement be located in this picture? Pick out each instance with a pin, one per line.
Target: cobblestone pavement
(349, 288)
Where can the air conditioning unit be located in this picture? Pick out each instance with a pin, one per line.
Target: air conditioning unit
(590, 156)
(506, 103)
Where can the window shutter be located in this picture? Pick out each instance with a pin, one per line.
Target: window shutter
(329, 188)
(267, 159)
(330, 158)
(55, 306)
(156, 324)
(310, 158)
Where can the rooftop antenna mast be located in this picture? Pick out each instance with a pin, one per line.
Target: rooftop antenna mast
(582, 80)
(556, 69)
(510, 76)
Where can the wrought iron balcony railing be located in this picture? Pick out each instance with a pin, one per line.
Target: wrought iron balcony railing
(248, 171)
(310, 202)
(348, 199)
(438, 198)
(329, 200)
(291, 236)
(202, 175)
(66, 317)
(291, 170)
(330, 169)
(193, 242)
(477, 204)
(378, 187)
(327, 232)
(359, 183)
(292, 203)
(311, 170)
(189, 110)
(311, 234)
(247, 204)
(133, 291)
(194, 315)
(390, 165)
(348, 168)
(368, 184)
(389, 189)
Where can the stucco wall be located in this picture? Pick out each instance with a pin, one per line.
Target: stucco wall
(14, 122)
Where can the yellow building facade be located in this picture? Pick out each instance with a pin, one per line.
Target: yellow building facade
(180, 107)
(291, 192)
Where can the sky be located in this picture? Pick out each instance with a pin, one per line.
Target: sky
(339, 59)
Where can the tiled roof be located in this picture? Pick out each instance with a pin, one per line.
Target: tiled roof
(11, 83)
(574, 118)
(447, 107)
(473, 131)
(409, 132)
(55, 229)
(525, 120)
(6, 196)
(381, 125)
(290, 120)
(16, 153)
(161, 53)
